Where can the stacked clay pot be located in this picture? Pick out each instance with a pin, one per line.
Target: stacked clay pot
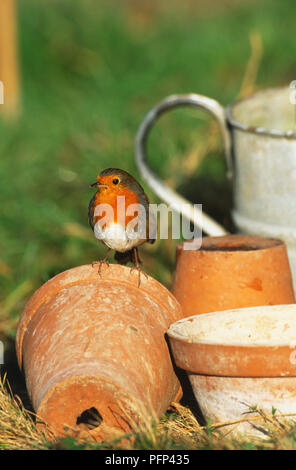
(232, 271)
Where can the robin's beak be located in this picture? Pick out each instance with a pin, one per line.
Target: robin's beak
(98, 185)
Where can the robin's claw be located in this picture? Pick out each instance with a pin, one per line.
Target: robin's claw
(137, 266)
(101, 262)
(140, 271)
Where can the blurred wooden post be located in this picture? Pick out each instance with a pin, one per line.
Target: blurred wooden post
(9, 70)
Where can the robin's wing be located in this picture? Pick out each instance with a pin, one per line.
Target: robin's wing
(152, 230)
(91, 212)
(151, 227)
(132, 184)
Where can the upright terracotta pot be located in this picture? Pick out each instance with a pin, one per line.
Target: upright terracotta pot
(94, 352)
(237, 359)
(232, 271)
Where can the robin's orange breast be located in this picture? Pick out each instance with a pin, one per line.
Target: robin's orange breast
(112, 207)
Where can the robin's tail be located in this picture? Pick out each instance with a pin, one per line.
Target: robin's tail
(126, 257)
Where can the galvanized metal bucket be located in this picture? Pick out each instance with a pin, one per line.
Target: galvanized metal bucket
(259, 136)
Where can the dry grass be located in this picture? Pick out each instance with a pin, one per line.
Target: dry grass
(17, 426)
(178, 429)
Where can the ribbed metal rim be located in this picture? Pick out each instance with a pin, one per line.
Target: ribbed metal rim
(253, 129)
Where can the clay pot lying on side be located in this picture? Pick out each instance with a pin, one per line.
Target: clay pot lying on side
(93, 350)
(232, 271)
(238, 359)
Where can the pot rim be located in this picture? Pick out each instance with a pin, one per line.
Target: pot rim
(275, 133)
(229, 359)
(241, 243)
(172, 333)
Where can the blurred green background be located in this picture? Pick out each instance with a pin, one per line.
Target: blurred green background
(90, 70)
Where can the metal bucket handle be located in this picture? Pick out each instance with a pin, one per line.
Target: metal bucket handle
(208, 225)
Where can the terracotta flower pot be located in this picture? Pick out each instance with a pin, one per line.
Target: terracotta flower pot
(239, 358)
(93, 350)
(232, 272)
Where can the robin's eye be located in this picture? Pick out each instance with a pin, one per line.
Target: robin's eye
(115, 181)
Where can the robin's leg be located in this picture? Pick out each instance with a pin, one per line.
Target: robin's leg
(137, 266)
(103, 261)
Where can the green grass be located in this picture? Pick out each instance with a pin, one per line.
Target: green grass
(89, 72)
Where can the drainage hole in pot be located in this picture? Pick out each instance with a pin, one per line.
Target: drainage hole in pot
(89, 418)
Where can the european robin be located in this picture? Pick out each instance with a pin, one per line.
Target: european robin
(120, 216)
